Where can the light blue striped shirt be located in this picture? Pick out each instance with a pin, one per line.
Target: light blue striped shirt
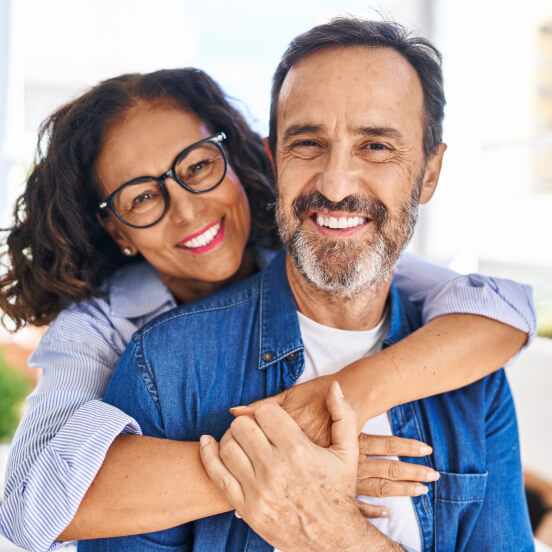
(66, 430)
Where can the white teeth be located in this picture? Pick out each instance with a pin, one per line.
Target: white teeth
(203, 239)
(341, 222)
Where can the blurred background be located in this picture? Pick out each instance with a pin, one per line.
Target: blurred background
(492, 211)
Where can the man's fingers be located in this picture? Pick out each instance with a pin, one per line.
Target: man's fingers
(394, 470)
(389, 445)
(249, 409)
(371, 511)
(219, 474)
(278, 426)
(377, 487)
(252, 440)
(344, 420)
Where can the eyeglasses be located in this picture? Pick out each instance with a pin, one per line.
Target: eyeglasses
(143, 201)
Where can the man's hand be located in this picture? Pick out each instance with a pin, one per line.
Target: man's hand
(305, 403)
(296, 495)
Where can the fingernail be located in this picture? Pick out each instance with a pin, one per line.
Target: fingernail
(237, 408)
(339, 390)
(385, 513)
(237, 515)
(425, 449)
(432, 476)
(204, 440)
(420, 490)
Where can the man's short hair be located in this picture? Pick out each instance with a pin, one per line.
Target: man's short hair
(349, 31)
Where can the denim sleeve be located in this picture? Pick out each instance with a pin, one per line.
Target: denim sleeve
(441, 291)
(503, 523)
(130, 390)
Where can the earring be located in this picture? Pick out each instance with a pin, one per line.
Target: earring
(128, 251)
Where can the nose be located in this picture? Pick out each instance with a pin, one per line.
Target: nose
(183, 205)
(339, 177)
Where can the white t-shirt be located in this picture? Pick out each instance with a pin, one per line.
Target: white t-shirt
(328, 350)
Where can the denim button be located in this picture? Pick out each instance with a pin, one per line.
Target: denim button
(292, 356)
(267, 357)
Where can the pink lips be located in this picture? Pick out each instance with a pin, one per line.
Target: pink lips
(216, 240)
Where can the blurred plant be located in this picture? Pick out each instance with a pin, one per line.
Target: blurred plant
(544, 316)
(14, 387)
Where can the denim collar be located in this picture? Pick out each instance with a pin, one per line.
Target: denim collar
(136, 290)
(280, 334)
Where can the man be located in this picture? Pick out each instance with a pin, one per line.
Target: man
(355, 134)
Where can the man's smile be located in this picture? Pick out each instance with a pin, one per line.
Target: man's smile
(338, 224)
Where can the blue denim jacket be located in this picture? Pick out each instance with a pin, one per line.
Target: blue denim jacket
(182, 371)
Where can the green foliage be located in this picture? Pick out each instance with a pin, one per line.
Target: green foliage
(14, 387)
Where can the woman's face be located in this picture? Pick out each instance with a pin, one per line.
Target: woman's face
(145, 143)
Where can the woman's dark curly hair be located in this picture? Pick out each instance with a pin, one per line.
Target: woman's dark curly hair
(56, 252)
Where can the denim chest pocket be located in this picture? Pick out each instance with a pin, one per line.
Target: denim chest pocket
(458, 501)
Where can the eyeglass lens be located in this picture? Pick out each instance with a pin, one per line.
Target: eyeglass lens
(143, 202)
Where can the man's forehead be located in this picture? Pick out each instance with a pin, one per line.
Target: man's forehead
(352, 82)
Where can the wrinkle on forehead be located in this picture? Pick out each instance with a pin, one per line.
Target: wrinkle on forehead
(351, 86)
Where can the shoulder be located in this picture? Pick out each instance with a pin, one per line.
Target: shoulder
(103, 325)
(242, 295)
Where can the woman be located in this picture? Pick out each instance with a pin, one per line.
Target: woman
(102, 244)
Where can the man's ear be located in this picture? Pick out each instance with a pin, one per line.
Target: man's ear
(432, 172)
(114, 231)
(269, 154)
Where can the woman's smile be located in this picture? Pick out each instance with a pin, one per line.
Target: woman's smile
(206, 239)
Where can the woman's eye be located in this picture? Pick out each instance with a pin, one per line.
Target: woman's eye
(197, 167)
(142, 198)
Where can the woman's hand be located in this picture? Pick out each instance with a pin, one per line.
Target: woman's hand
(382, 477)
(306, 404)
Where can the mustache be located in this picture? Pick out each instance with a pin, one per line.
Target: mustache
(356, 204)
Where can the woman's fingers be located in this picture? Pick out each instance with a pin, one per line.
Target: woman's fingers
(394, 470)
(371, 511)
(383, 487)
(382, 477)
(389, 445)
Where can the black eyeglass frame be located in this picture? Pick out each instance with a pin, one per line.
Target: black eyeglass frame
(216, 139)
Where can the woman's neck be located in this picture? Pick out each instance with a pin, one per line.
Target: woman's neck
(185, 291)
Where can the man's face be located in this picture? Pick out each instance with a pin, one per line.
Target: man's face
(350, 163)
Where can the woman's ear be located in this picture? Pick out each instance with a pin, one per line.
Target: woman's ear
(115, 232)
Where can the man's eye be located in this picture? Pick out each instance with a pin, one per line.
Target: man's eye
(376, 146)
(307, 143)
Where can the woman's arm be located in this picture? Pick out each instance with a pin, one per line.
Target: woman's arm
(452, 350)
(145, 484)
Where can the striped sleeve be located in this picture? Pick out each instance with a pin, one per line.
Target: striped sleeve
(65, 432)
(442, 291)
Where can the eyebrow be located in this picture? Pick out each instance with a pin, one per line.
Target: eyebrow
(379, 132)
(297, 130)
(370, 131)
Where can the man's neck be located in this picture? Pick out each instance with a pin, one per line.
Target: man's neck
(360, 312)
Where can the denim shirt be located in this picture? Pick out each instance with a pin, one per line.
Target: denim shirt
(182, 371)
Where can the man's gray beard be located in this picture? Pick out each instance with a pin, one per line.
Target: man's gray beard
(342, 267)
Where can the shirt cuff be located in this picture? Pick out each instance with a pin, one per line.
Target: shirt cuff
(45, 502)
(497, 298)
